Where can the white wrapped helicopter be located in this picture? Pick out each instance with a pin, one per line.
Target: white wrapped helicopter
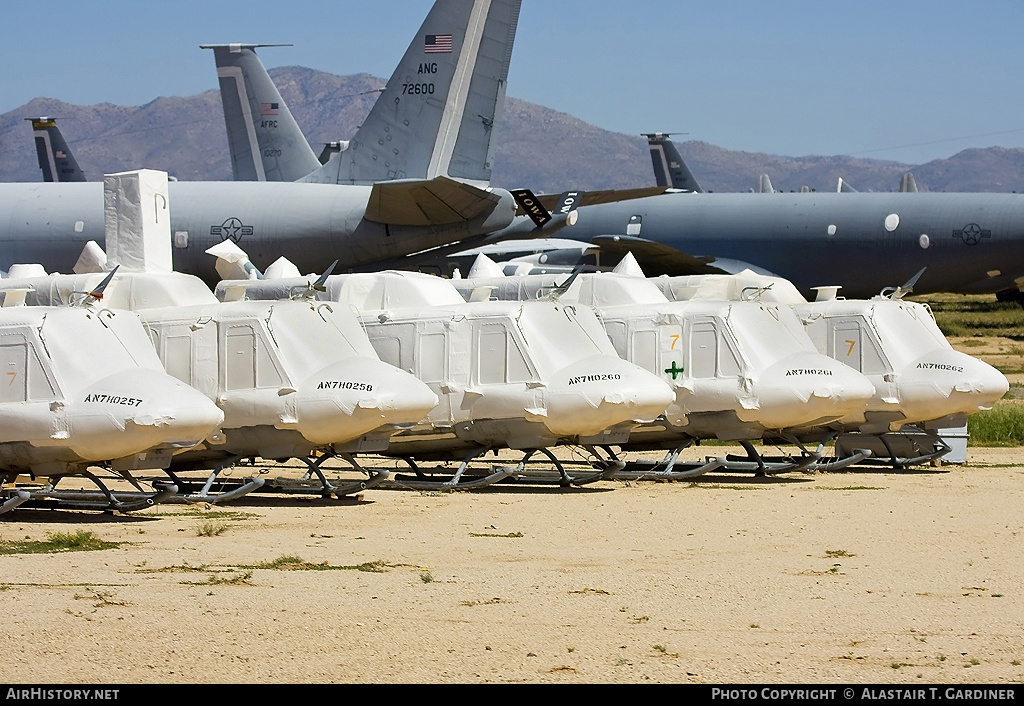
(293, 378)
(920, 382)
(739, 370)
(283, 396)
(82, 388)
(524, 376)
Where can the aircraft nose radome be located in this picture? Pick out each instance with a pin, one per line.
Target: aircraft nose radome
(600, 392)
(949, 382)
(350, 398)
(810, 388)
(140, 409)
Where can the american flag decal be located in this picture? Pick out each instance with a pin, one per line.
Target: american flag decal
(438, 44)
(268, 108)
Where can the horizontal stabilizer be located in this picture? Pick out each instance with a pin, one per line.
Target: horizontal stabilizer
(439, 201)
(531, 206)
(553, 202)
(655, 258)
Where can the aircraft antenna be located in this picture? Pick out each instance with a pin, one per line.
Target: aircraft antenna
(561, 289)
(96, 294)
(308, 291)
(903, 290)
(758, 292)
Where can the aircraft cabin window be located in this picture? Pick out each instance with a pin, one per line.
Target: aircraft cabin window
(267, 374)
(388, 350)
(492, 355)
(873, 363)
(645, 350)
(13, 368)
(703, 351)
(846, 344)
(177, 357)
(518, 370)
(857, 348)
(239, 358)
(394, 346)
(432, 357)
(500, 358)
(616, 331)
(728, 362)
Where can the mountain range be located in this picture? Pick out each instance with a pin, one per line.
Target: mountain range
(537, 148)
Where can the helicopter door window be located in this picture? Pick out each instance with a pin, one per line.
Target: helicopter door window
(703, 351)
(518, 370)
(872, 360)
(239, 358)
(616, 331)
(394, 345)
(728, 362)
(178, 357)
(13, 369)
(645, 350)
(432, 357)
(846, 345)
(493, 354)
(267, 373)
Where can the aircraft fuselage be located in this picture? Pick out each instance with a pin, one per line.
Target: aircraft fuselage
(970, 243)
(310, 224)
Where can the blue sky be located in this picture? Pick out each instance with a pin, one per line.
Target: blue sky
(907, 80)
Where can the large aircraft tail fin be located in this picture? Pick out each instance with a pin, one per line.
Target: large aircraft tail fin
(669, 167)
(764, 185)
(436, 116)
(843, 187)
(266, 143)
(908, 185)
(55, 158)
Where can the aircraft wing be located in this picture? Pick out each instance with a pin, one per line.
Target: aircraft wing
(591, 198)
(438, 201)
(655, 258)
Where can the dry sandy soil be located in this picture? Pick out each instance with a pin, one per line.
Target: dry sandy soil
(856, 577)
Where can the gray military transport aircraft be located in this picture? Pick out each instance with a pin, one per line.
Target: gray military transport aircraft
(456, 67)
(865, 242)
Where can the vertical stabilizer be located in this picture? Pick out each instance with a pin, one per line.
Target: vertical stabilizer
(908, 185)
(669, 167)
(437, 115)
(55, 158)
(266, 143)
(137, 221)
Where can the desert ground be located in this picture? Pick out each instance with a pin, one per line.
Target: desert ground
(864, 576)
(861, 576)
